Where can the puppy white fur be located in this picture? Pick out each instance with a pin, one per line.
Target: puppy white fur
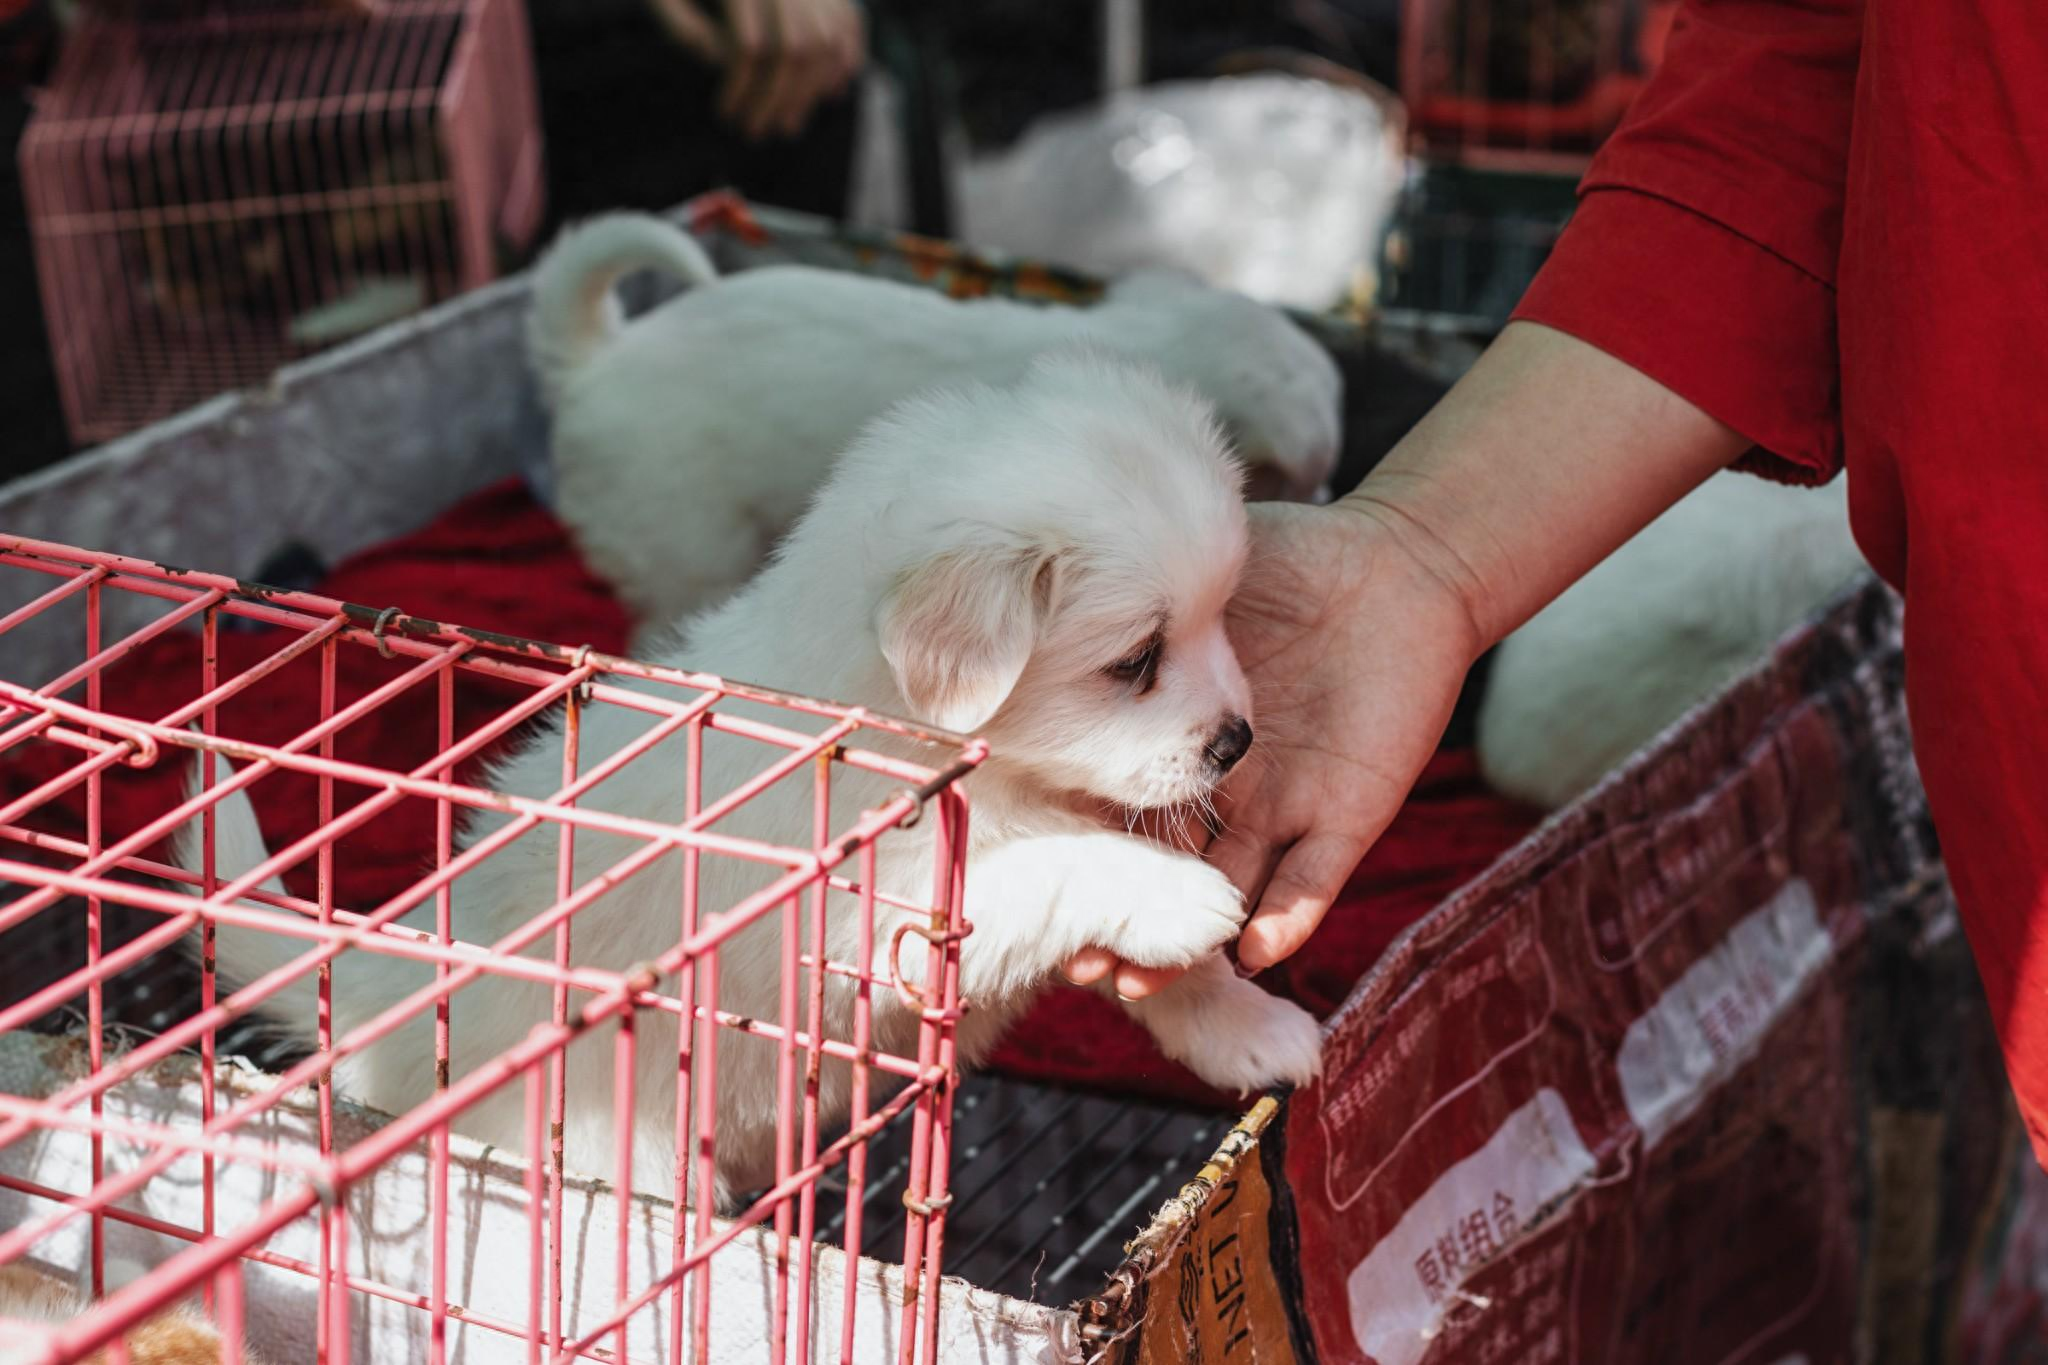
(1046, 565)
(1667, 620)
(688, 441)
(176, 1336)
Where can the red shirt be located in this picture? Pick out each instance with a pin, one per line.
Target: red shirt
(1826, 223)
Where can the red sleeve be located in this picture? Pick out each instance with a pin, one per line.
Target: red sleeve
(1703, 252)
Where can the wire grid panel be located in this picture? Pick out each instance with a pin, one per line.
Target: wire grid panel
(225, 186)
(1526, 84)
(598, 1029)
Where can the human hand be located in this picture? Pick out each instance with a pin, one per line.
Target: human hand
(1355, 635)
(782, 57)
(1356, 623)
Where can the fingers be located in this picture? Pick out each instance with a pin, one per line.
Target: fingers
(838, 44)
(787, 56)
(1135, 983)
(748, 64)
(851, 51)
(692, 27)
(792, 81)
(1296, 897)
(1090, 965)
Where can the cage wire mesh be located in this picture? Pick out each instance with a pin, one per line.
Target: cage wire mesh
(215, 188)
(1507, 101)
(313, 1155)
(1525, 83)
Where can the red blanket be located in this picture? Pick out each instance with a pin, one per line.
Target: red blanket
(1452, 827)
(498, 561)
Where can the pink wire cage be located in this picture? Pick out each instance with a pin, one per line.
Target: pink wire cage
(1524, 84)
(217, 186)
(430, 664)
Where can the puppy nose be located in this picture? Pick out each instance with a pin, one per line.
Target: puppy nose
(1229, 744)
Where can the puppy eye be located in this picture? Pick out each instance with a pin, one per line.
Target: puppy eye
(1141, 667)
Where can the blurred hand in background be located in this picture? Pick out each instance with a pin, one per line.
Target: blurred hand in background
(781, 58)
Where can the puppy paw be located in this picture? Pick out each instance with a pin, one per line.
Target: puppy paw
(1247, 1046)
(1184, 911)
(1230, 1033)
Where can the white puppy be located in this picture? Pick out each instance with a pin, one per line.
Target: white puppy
(1664, 622)
(1046, 565)
(687, 442)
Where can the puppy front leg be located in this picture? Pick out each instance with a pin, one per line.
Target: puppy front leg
(1036, 902)
(1230, 1033)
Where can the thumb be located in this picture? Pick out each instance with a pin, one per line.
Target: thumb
(1297, 897)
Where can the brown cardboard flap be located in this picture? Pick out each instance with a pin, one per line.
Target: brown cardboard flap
(1204, 1282)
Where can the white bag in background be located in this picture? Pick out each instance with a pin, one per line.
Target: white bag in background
(1277, 186)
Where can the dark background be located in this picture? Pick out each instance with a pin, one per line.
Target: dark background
(629, 122)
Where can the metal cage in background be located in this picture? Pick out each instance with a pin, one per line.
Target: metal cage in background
(1507, 101)
(1851, 1172)
(225, 185)
(164, 1139)
(1525, 84)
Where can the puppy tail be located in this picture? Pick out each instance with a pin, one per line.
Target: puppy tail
(243, 955)
(574, 310)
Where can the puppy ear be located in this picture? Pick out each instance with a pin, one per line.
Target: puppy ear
(958, 629)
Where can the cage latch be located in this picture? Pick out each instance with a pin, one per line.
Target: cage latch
(916, 811)
(925, 1208)
(384, 619)
(912, 996)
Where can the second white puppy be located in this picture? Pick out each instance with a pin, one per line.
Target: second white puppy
(1047, 565)
(1676, 613)
(685, 443)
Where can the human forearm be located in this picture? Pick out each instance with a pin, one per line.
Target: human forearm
(1545, 457)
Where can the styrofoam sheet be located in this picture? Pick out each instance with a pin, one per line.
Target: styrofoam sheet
(488, 1239)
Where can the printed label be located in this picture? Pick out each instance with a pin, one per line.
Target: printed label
(1501, 993)
(1711, 1020)
(1402, 1290)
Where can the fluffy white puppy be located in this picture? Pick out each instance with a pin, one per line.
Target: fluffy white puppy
(1046, 565)
(688, 441)
(1664, 622)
